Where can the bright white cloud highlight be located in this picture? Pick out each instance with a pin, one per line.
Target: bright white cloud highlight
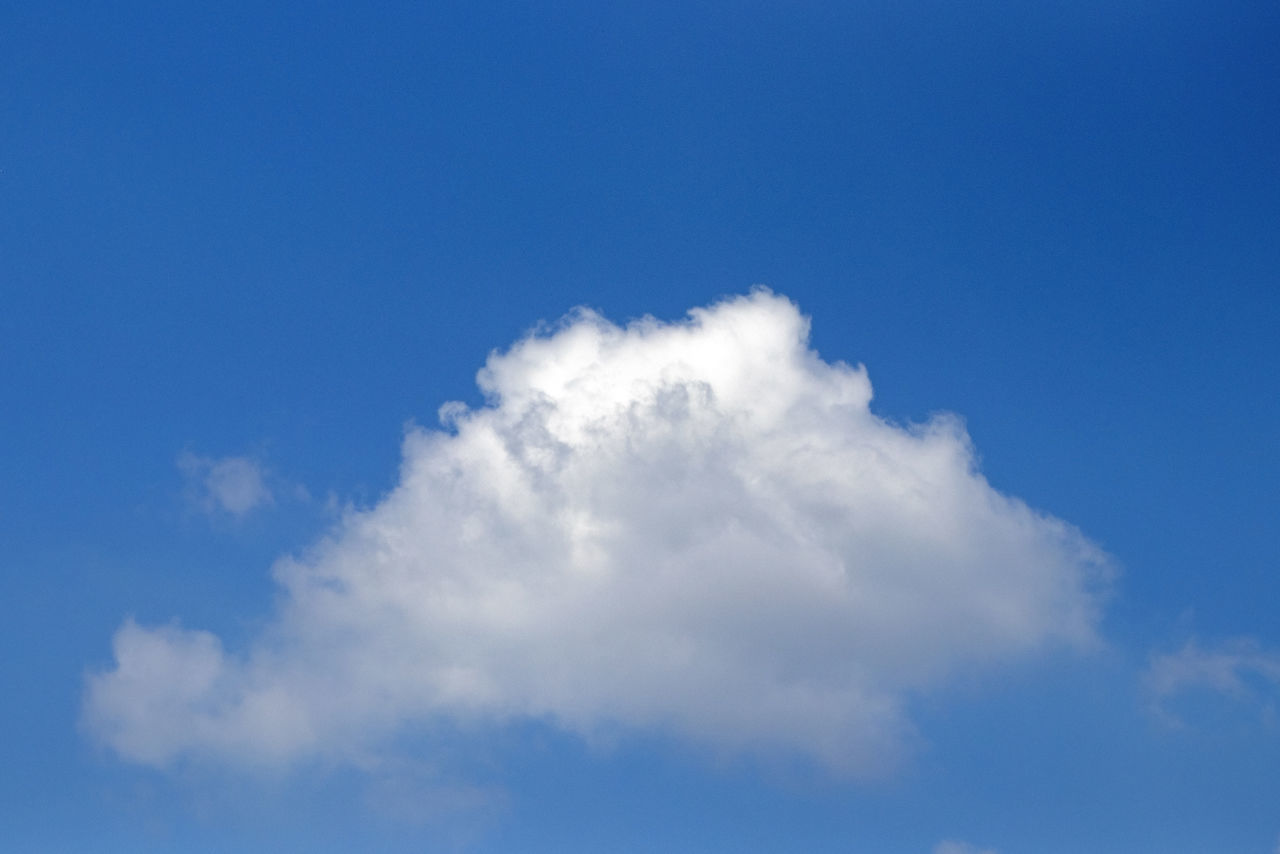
(233, 485)
(697, 528)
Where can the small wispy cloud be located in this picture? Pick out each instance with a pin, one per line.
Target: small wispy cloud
(231, 485)
(950, 846)
(1240, 669)
(420, 797)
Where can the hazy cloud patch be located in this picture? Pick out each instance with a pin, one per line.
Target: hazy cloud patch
(232, 485)
(697, 528)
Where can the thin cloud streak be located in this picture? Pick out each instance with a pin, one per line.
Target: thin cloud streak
(1240, 669)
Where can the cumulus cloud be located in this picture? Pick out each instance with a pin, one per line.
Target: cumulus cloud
(1240, 669)
(696, 528)
(233, 485)
(949, 846)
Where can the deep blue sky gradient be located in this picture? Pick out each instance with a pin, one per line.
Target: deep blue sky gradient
(287, 231)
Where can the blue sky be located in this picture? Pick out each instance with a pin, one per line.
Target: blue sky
(246, 252)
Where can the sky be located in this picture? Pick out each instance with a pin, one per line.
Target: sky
(688, 427)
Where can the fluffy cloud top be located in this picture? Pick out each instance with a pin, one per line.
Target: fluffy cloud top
(233, 485)
(698, 528)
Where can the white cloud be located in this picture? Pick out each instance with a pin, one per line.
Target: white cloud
(949, 846)
(697, 528)
(1240, 669)
(233, 485)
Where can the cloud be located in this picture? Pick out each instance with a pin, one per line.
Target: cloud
(695, 528)
(233, 485)
(949, 846)
(1240, 669)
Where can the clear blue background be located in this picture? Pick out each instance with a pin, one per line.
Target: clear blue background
(289, 230)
